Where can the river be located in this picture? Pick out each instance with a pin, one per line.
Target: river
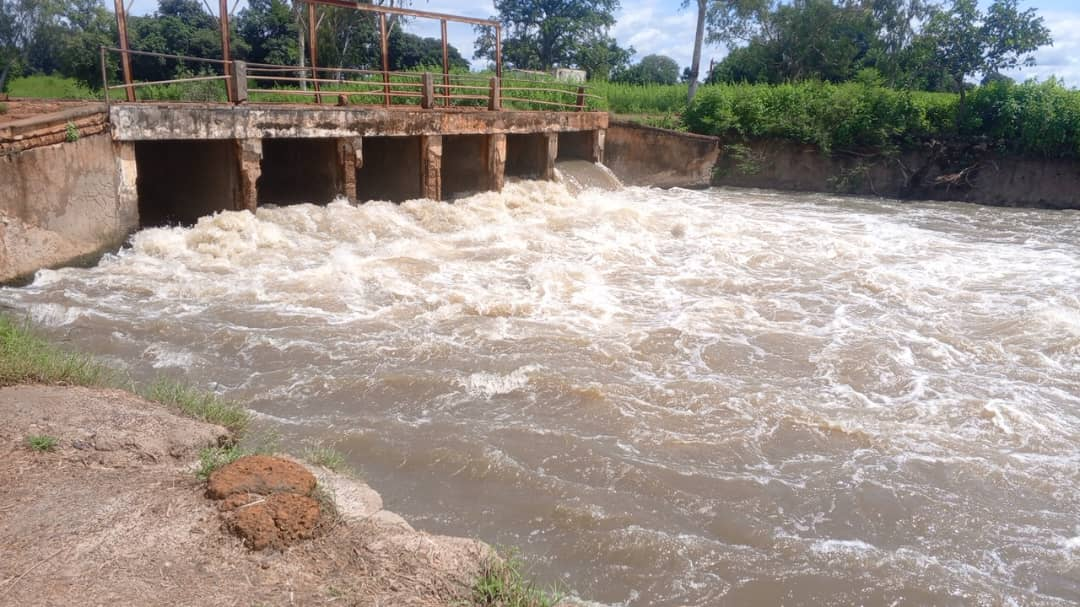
(719, 397)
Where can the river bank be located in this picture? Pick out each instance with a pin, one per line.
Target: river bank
(100, 503)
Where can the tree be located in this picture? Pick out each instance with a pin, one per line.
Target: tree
(408, 51)
(653, 69)
(699, 38)
(542, 34)
(968, 42)
(269, 28)
(602, 57)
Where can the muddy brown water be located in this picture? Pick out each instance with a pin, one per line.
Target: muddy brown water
(661, 397)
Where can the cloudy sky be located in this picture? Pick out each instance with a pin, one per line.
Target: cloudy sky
(661, 26)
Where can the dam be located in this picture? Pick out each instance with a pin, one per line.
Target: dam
(79, 181)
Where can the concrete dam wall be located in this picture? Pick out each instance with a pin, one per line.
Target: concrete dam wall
(68, 195)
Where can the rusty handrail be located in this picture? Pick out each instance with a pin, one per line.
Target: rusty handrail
(372, 83)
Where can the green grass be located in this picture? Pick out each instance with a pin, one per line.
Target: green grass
(3, 108)
(50, 87)
(199, 404)
(327, 457)
(501, 583)
(26, 358)
(212, 458)
(41, 442)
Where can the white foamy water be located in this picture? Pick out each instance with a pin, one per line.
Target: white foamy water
(661, 397)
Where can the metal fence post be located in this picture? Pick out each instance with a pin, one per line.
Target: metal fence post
(427, 97)
(495, 100)
(240, 81)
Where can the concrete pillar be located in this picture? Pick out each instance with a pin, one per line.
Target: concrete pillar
(496, 161)
(431, 148)
(249, 156)
(350, 158)
(552, 153)
(127, 183)
(598, 144)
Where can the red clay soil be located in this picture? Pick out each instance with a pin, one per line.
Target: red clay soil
(115, 516)
(18, 109)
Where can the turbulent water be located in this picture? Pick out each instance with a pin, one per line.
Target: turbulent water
(661, 397)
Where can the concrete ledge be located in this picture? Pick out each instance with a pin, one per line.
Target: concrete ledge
(648, 156)
(145, 122)
(11, 131)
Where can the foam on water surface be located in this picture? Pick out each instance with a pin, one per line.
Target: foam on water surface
(663, 397)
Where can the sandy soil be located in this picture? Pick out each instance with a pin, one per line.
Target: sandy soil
(114, 516)
(19, 109)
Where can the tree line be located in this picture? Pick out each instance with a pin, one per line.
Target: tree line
(63, 37)
(929, 45)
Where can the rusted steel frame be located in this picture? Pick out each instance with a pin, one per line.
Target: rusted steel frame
(498, 50)
(539, 89)
(223, 21)
(152, 54)
(125, 59)
(445, 62)
(339, 93)
(463, 86)
(381, 85)
(552, 103)
(407, 12)
(581, 99)
(385, 56)
(105, 76)
(313, 48)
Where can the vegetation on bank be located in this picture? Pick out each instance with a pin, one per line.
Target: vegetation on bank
(26, 358)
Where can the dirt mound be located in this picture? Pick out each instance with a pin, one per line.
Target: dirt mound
(260, 474)
(267, 500)
(114, 515)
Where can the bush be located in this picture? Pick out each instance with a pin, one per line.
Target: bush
(830, 116)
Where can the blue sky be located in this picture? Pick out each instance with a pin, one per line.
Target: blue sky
(661, 26)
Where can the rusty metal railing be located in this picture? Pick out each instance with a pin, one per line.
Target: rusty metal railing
(266, 83)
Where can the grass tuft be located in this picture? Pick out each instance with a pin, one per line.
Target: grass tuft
(212, 458)
(327, 457)
(41, 442)
(3, 108)
(502, 584)
(25, 358)
(200, 404)
(71, 132)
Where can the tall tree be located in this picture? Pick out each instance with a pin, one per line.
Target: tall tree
(968, 42)
(699, 39)
(653, 69)
(542, 34)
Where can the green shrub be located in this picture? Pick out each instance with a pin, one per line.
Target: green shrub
(501, 583)
(41, 442)
(50, 87)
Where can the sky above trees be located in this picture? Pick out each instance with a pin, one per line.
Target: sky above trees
(661, 27)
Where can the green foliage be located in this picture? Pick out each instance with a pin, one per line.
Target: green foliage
(199, 404)
(830, 116)
(212, 458)
(501, 583)
(1035, 120)
(3, 108)
(71, 132)
(50, 87)
(642, 99)
(653, 69)
(26, 358)
(41, 442)
(967, 41)
(542, 34)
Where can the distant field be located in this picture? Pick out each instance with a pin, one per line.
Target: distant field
(49, 87)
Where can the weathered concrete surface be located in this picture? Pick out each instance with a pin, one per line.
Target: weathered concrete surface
(48, 129)
(131, 122)
(992, 179)
(641, 155)
(59, 203)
